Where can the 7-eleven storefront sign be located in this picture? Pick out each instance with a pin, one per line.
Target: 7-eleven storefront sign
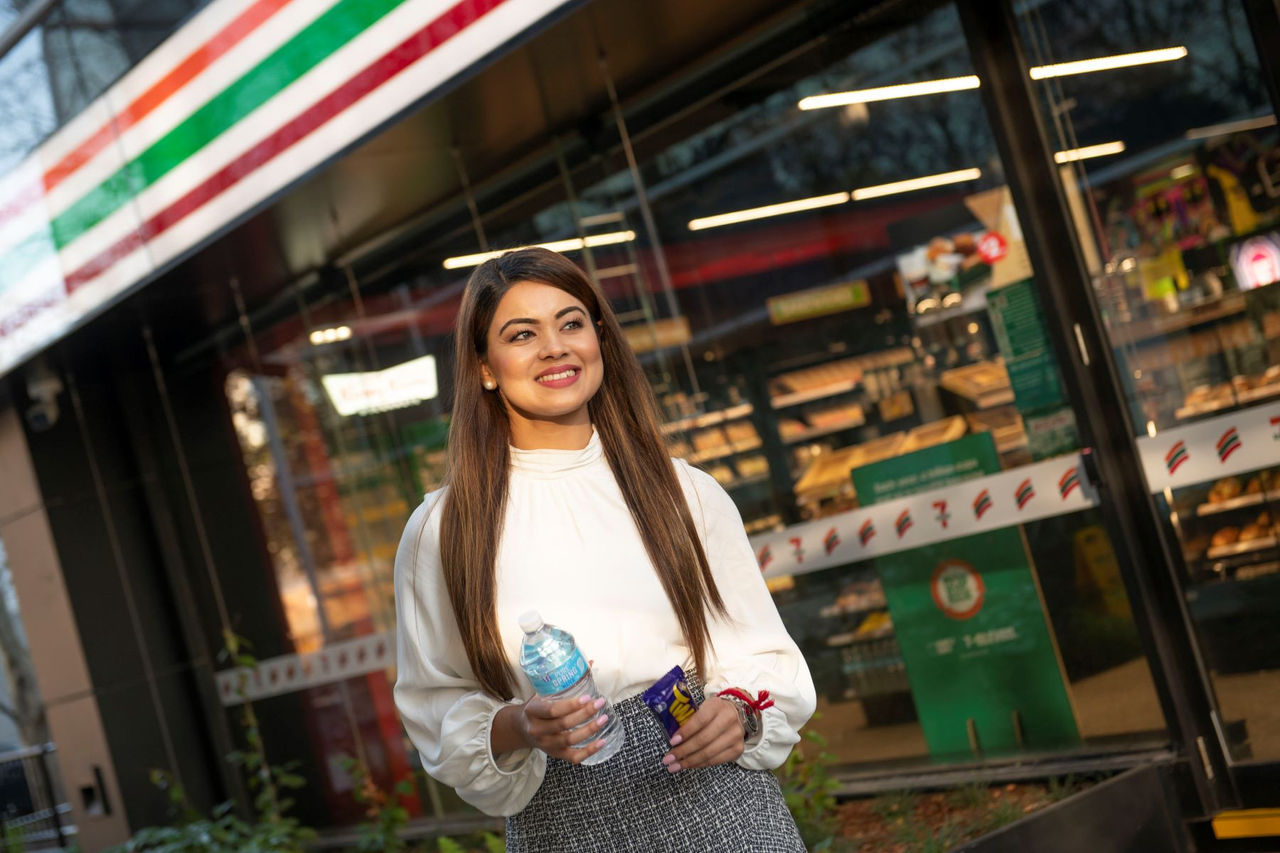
(242, 101)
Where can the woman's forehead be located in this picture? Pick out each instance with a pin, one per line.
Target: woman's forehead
(535, 300)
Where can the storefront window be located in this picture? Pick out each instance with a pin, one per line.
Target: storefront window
(836, 310)
(1176, 216)
(875, 379)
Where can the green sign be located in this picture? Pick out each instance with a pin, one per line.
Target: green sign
(968, 618)
(931, 468)
(1051, 433)
(1024, 343)
(818, 302)
(1020, 334)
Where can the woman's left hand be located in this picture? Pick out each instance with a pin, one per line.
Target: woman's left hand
(713, 735)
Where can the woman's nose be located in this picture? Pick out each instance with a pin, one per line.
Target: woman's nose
(552, 346)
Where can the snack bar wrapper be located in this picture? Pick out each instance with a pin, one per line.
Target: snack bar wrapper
(671, 700)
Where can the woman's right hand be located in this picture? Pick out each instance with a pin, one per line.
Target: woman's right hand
(546, 725)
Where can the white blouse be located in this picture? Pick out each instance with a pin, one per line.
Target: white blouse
(571, 551)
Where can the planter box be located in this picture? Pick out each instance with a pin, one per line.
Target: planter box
(1137, 810)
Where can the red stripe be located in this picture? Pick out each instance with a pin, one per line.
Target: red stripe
(371, 77)
(1174, 449)
(199, 59)
(182, 74)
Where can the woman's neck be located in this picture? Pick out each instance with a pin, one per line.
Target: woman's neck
(546, 435)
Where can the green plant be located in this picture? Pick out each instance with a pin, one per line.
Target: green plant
(809, 790)
(970, 796)
(223, 831)
(919, 838)
(491, 844)
(14, 841)
(894, 805)
(1003, 813)
(385, 816)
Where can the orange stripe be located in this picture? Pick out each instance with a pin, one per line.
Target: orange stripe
(199, 59)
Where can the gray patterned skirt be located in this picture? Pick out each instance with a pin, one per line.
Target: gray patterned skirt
(631, 803)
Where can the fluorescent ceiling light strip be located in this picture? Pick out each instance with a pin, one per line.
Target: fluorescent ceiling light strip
(768, 210)
(1106, 63)
(572, 245)
(889, 93)
(922, 183)
(1100, 150)
(1230, 127)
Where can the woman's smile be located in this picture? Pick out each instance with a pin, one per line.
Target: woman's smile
(560, 377)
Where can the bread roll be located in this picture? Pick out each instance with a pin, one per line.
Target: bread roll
(1225, 536)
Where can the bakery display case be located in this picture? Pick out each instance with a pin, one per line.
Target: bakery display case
(1228, 528)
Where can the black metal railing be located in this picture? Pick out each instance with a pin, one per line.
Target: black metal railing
(32, 816)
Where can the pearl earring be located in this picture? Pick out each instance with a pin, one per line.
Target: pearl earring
(489, 385)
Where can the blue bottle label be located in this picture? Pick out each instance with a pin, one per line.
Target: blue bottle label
(562, 677)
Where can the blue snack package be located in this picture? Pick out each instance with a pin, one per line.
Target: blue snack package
(671, 700)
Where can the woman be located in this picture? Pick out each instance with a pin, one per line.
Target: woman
(561, 497)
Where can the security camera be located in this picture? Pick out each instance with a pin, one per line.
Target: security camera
(43, 387)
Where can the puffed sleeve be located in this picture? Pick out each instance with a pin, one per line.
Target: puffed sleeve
(444, 711)
(752, 649)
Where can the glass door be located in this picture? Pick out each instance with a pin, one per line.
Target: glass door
(1168, 152)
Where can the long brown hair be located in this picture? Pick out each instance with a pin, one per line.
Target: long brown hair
(624, 414)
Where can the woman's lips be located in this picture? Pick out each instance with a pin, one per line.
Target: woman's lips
(562, 378)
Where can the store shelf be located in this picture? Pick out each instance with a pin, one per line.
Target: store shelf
(733, 413)
(1237, 548)
(851, 638)
(833, 610)
(1141, 331)
(743, 482)
(796, 398)
(818, 432)
(1253, 571)
(1253, 395)
(1204, 409)
(722, 451)
(1236, 503)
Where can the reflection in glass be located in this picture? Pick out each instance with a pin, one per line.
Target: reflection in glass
(1179, 231)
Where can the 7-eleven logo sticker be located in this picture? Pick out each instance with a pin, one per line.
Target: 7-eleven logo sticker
(982, 503)
(1024, 494)
(1176, 457)
(831, 541)
(1275, 427)
(764, 557)
(943, 516)
(1228, 444)
(866, 532)
(797, 545)
(1070, 481)
(904, 523)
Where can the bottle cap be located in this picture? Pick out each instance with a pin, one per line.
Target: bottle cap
(530, 621)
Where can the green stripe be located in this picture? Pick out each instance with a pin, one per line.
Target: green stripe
(325, 35)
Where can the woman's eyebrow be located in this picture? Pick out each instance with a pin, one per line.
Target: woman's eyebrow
(517, 320)
(532, 322)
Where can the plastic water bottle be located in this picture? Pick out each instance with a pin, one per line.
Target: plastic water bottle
(553, 662)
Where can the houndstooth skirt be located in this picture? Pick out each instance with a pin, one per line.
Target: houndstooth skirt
(631, 803)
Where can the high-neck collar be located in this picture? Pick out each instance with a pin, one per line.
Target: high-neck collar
(553, 463)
